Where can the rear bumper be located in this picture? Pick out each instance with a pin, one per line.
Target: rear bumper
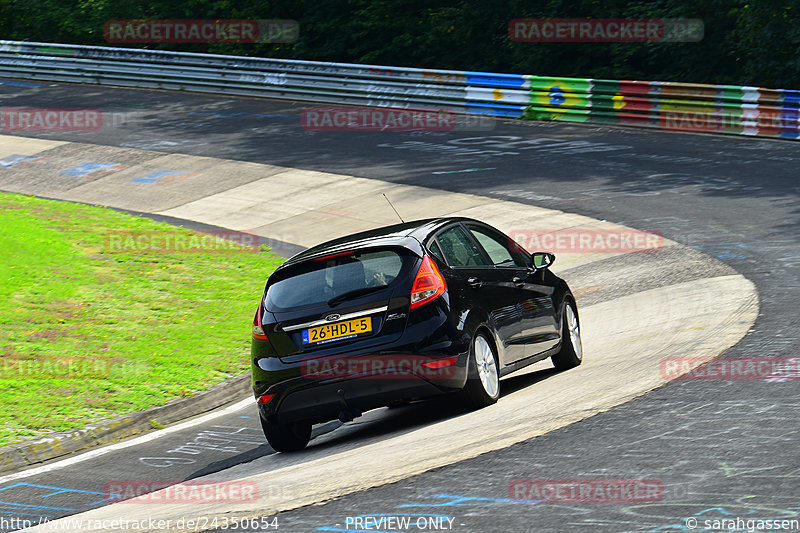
(310, 391)
(321, 402)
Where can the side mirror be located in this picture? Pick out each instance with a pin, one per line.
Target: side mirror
(542, 260)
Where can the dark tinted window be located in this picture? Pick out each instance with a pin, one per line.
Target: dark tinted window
(436, 251)
(316, 282)
(458, 249)
(500, 249)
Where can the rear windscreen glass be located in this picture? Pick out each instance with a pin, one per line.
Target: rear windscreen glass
(332, 281)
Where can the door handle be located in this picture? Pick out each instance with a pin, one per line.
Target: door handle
(518, 281)
(474, 282)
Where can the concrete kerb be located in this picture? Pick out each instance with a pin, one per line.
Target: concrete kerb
(20, 455)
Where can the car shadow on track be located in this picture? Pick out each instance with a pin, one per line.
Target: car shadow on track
(523, 379)
(387, 422)
(374, 426)
(257, 453)
(246, 457)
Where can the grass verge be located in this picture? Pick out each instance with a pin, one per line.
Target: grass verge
(100, 315)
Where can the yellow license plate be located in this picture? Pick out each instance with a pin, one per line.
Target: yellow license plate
(337, 330)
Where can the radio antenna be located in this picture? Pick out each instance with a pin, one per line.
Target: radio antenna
(393, 209)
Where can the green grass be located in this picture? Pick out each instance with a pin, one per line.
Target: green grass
(139, 328)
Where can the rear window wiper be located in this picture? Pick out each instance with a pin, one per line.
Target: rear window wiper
(349, 295)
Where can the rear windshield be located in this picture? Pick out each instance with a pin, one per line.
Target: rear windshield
(317, 282)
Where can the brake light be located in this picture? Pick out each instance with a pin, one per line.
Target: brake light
(428, 285)
(333, 256)
(258, 331)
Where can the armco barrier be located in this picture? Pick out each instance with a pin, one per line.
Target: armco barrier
(664, 105)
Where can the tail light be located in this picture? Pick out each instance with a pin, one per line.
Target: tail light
(428, 285)
(258, 331)
(265, 399)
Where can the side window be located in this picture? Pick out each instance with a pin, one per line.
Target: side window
(458, 249)
(435, 251)
(502, 251)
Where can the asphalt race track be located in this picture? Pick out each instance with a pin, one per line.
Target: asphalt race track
(722, 449)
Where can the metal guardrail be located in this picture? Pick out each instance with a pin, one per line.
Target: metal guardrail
(665, 105)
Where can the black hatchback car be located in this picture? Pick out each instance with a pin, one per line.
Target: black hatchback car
(399, 313)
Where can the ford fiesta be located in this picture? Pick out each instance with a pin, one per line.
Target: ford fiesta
(409, 311)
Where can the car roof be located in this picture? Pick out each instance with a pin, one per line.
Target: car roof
(393, 235)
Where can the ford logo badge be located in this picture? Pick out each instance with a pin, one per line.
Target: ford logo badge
(332, 317)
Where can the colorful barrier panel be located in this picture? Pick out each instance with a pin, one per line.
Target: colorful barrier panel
(688, 107)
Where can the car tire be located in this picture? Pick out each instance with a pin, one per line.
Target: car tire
(571, 353)
(289, 437)
(483, 377)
